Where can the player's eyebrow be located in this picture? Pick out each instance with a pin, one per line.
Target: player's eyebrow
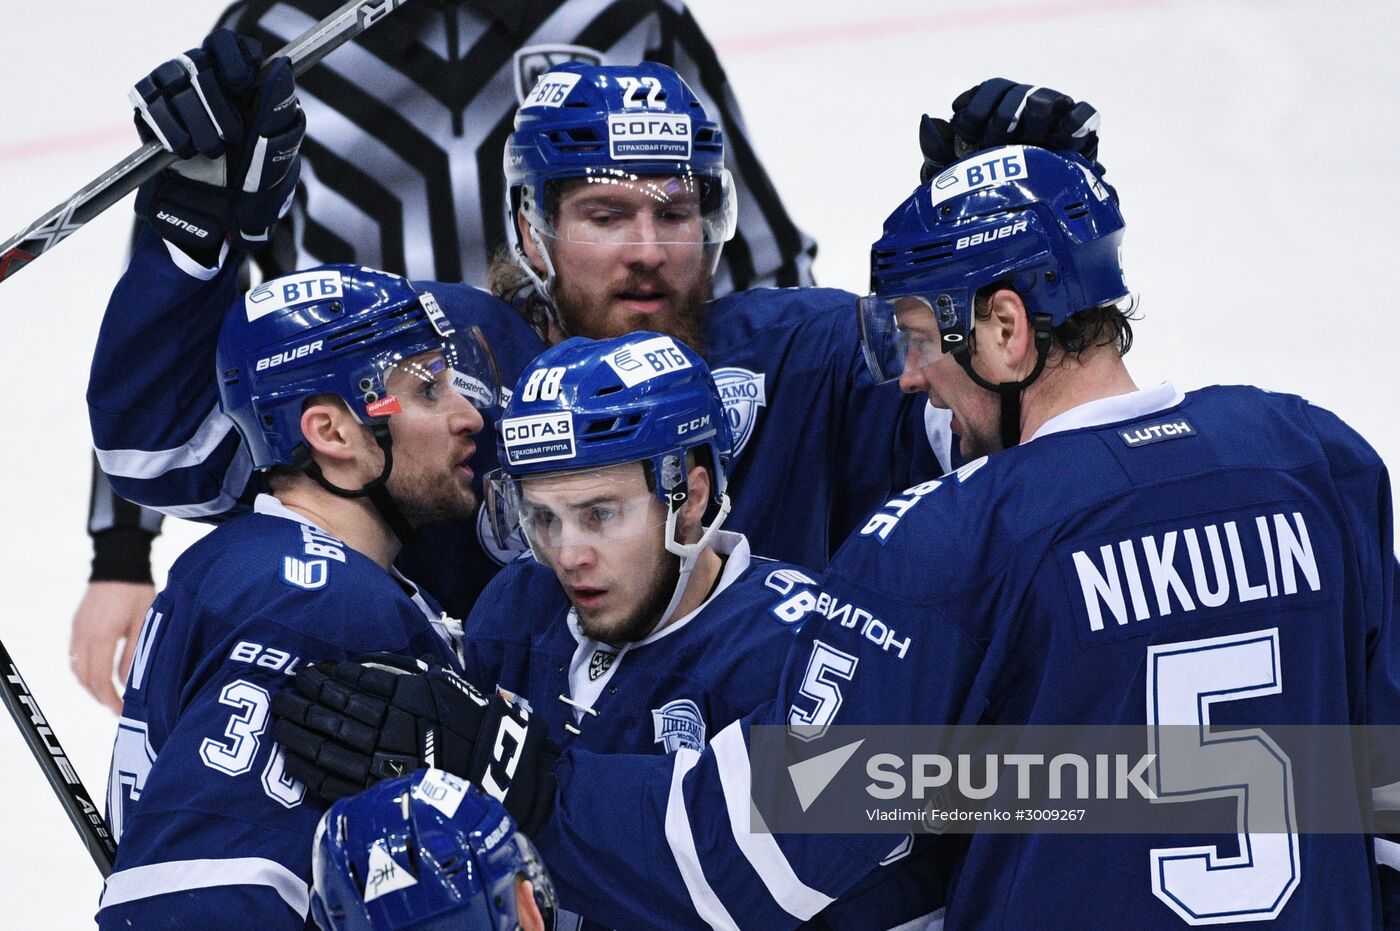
(594, 501)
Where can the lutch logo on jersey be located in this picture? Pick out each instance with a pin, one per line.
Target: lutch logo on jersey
(678, 725)
(281, 293)
(649, 135)
(1157, 432)
(994, 167)
(538, 438)
(742, 392)
(639, 362)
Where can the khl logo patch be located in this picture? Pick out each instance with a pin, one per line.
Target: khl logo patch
(679, 725)
(742, 392)
(599, 663)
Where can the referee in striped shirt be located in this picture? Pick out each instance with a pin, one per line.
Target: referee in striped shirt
(401, 171)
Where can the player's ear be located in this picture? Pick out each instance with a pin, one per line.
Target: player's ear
(1004, 337)
(330, 430)
(697, 499)
(525, 908)
(532, 251)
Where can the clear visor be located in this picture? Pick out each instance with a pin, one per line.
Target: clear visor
(906, 331)
(587, 507)
(612, 206)
(433, 381)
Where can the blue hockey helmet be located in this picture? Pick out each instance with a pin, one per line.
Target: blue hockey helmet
(341, 330)
(426, 851)
(622, 130)
(1041, 222)
(589, 404)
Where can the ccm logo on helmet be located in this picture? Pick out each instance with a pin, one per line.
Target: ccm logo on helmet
(699, 423)
(977, 239)
(281, 358)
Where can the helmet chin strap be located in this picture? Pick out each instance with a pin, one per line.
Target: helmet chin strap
(1010, 391)
(542, 284)
(689, 554)
(376, 491)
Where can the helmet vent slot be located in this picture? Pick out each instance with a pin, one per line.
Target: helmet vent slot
(1076, 210)
(609, 428)
(577, 139)
(371, 329)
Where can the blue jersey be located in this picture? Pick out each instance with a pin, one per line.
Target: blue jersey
(818, 443)
(669, 692)
(153, 403)
(212, 832)
(1040, 586)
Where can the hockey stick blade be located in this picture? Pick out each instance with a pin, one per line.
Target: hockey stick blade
(56, 766)
(140, 166)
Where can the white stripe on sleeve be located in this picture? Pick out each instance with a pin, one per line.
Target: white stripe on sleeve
(147, 464)
(702, 897)
(795, 896)
(1388, 853)
(142, 882)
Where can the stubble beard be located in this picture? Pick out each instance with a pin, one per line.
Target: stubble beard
(639, 623)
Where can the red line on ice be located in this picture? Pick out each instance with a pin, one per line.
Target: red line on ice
(960, 19)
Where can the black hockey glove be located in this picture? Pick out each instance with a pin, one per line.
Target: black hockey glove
(1000, 112)
(238, 146)
(345, 726)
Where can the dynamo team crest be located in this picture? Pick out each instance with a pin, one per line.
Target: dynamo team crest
(678, 725)
(742, 392)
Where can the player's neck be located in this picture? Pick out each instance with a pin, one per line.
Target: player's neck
(702, 582)
(1098, 373)
(352, 520)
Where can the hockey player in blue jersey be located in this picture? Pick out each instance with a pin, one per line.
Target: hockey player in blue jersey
(633, 628)
(787, 362)
(431, 852)
(362, 404)
(1046, 583)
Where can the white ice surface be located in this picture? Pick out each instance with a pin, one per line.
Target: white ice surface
(1254, 143)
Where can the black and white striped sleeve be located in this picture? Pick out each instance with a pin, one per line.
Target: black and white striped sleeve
(121, 533)
(768, 250)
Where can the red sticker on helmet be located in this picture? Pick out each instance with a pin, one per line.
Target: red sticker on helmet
(384, 407)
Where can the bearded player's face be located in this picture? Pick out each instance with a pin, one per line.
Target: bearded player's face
(626, 260)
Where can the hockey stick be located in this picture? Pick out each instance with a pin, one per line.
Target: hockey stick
(56, 765)
(131, 172)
